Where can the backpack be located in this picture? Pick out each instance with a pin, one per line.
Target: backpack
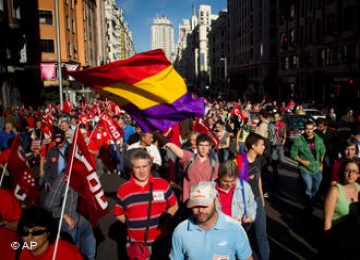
(191, 162)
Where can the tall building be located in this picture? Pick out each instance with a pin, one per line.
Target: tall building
(162, 36)
(218, 56)
(197, 48)
(182, 61)
(118, 36)
(253, 47)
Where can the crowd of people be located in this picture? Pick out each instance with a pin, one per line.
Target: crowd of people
(185, 194)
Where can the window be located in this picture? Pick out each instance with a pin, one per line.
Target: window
(69, 49)
(73, 26)
(67, 20)
(47, 46)
(1, 5)
(45, 17)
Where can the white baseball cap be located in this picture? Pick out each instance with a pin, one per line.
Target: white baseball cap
(202, 194)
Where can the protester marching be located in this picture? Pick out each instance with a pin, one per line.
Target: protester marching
(195, 172)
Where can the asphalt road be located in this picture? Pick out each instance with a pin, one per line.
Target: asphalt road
(291, 235)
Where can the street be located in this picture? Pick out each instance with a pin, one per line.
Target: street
(290, 236)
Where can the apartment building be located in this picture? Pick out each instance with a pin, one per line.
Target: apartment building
(162, 36)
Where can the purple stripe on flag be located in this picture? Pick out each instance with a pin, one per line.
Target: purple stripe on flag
(163, 116)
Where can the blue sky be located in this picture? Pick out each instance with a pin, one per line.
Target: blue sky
(140, 14)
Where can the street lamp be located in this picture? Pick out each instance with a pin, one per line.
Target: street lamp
(225, 73)
(59, 51)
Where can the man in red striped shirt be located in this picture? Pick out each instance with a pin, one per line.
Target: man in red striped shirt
(133, 201)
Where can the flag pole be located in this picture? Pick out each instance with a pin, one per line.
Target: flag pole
(3, 173)
(74, 141)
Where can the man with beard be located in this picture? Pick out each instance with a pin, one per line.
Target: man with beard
(208, 233)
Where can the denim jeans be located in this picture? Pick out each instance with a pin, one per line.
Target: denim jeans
(83, 236)
(260, 231)
(278, 153)
(312, 183)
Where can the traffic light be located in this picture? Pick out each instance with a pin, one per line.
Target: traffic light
(285, 42)
(351, 81)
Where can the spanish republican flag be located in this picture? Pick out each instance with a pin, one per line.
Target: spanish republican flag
(147, 87)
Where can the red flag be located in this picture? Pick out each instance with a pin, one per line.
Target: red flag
(118, 111)
(290, 106)
(25, 188)
(52, 109)
(110, 106)
(84, 180)
(46, 125)
(67, 107)
(201, 126)
(113, 129)
(237, 112)
(96, 109)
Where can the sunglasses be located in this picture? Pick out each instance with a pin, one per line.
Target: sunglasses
(25, 233)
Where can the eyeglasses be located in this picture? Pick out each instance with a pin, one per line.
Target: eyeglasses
(352, 171)
(34, 233)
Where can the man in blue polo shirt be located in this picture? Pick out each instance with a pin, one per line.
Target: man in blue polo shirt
(208, 233)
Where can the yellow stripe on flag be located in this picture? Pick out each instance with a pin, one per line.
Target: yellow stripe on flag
(164, 87)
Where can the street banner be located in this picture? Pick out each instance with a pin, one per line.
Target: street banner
(84, 180)
(48, 71)
(25, 188)
(113, 129)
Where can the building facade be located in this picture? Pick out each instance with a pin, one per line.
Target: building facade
(162, 36)
(218, 56)
(182, 61)
(253, 47)
(118, 36)
(321, 59)
(19, 52)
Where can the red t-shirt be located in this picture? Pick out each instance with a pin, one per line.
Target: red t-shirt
(10, 210)
(65, 251)
(225, 199)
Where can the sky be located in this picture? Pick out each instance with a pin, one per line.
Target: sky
(140, 14)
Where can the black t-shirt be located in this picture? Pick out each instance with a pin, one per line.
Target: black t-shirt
(255, 173)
